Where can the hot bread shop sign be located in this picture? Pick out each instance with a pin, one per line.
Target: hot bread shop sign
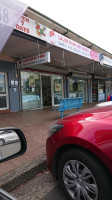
(35, 60)
(37, 30)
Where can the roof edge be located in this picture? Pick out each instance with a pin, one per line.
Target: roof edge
(48, 18)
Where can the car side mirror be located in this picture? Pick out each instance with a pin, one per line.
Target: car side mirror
(12, 143)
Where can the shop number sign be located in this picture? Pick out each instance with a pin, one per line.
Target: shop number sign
(4, 17)
(10, 13)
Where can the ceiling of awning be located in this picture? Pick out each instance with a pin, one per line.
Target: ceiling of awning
(62, 61)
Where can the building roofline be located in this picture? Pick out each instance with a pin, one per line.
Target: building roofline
(68, 30)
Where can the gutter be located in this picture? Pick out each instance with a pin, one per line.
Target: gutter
(22, 174)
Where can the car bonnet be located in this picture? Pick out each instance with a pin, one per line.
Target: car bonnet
(89, 114)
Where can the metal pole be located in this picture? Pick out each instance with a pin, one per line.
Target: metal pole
(63, 58)
(19, 85)
(93, 67)
(38, 48)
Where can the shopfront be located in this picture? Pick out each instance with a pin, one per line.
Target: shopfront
(39, 65)
(98, 90)
(78, 88)
(40, 90)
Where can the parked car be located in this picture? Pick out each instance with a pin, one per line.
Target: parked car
(12, 144)
(107, 103)
(79, 154)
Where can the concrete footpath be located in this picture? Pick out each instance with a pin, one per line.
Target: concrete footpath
(35, 125)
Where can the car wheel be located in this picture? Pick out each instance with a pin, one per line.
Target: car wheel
(83, 177)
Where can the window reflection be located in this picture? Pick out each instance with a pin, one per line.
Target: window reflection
(30, 83)
(2, 84)
(58, 90)
(78, 88)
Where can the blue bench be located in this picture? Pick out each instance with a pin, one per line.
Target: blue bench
(69, 103)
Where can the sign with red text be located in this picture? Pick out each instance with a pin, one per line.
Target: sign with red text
(70, 45)
(37, 30)
(31, 27)
(36, 60)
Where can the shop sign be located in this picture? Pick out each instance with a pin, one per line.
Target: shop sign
(33, 28)
(36, 60)
(106, 61)
(70, 45)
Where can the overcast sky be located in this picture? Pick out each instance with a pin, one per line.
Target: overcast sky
(91, 19)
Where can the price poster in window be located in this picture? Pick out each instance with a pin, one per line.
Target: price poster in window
(57, 87)
(31, 81)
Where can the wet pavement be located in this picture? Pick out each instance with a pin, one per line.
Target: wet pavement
(35, 125)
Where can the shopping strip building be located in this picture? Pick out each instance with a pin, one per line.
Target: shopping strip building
(44, 61)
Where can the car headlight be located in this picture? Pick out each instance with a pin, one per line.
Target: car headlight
(55, 128)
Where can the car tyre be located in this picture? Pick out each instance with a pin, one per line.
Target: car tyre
(83, 176)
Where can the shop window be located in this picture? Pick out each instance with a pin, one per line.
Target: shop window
(78, 88)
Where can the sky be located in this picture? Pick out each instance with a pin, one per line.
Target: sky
(91, 19)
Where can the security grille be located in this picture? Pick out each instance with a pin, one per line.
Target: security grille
(3, 102)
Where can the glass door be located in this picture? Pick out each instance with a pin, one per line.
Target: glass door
(82, 89)
(57, 89)
(95, 90)
(46, 91)
(108, 90)
(4, 104)
(30, 85)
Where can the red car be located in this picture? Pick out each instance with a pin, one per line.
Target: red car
(79, 153)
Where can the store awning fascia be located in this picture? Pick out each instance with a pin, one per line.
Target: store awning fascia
(67, 30)
(105, 61)
(37, 30)
(31, 27)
